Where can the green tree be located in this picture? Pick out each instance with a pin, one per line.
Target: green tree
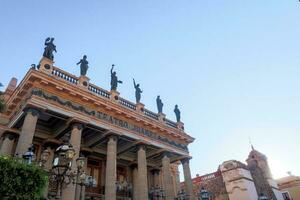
(20, 181)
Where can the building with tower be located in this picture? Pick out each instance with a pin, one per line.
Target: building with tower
(129, 150)
(235, 180)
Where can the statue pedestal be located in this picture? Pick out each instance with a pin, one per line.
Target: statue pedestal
(161, 117)
(180, 125)
(83, 81)
(140, 107)
(114, 95)
(46, 65)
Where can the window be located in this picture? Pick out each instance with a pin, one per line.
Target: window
(286, 195)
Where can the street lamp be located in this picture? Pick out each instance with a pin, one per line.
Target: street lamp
(82, 178)
(262, 197)
(29, 155)
(204, 194)
(61, 170)
(44, 157)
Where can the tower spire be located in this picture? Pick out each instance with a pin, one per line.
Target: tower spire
(251, 144)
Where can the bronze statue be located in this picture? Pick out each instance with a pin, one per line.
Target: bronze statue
(83, 65)
(159, 104)
(177, 113)
(138, 91)
(114, 79)
(50, 47)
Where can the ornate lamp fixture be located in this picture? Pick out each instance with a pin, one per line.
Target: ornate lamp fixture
(44, 157)
(262, 197)
(82, 178)
(61, 170)
(29, 155)
(204, 194)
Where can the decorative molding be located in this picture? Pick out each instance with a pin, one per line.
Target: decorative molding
(185, 161)
(108, 118)
(34, 111)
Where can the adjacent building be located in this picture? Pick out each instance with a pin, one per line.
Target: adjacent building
(235, 180)
(289, 187)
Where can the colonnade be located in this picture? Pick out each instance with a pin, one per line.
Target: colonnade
(139, 171)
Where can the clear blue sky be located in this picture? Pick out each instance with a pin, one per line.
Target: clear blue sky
(232, 66)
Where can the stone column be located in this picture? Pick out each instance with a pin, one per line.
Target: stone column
(69, 193)
(27, 132)
(8, 143)
(188, 183)
(142, 173)
(80, 190)
(48, 167)
(111, 169)
(135, 182)
(167, 178)
(156, 181)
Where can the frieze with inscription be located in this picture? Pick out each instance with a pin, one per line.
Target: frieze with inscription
(108, 118)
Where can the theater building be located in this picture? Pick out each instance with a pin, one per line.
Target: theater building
(123, 142)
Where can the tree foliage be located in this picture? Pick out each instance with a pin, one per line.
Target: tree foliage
(20, 181)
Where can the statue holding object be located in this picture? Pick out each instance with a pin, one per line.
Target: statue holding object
(114, 79)
(138, 92)
(50, 47)
(83, 65)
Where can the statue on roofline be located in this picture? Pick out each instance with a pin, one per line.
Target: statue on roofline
(50, 47)
(83, 65)
(138, 92)
(114, 79)
(177, 113)
(159, 104)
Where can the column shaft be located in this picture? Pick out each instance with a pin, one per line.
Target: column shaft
(111, 169)
(142, 174)
(188, 179)
(27, 132)
(69, 193)
(167, 178)
(135, 182)
(7, 144)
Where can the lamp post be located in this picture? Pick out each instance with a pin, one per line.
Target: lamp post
(262, 197)
(61, 170)
(82, 178)
(29, 155)
(204, 194)
(44, 158)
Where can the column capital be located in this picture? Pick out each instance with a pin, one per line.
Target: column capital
(141, 146)
(185, 160)
(10, 135)
(33, 111)
(166, 154)
(77, 125)
(155, 171)
(113, 137)
(133, 166)
(86, 151)
(52, 143)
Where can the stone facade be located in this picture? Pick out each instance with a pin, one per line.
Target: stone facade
(122, 142)
(238, 181)
(289, 187)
